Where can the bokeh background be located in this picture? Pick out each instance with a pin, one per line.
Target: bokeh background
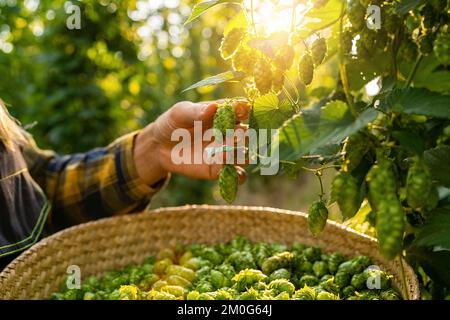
(79, 89)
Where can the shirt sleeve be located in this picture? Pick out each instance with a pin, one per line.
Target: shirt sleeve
(92, 185)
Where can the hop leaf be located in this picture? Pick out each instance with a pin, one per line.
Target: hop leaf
(318, 51)
(231, 42)
(228, 183)
(317, 217)
(306, 69)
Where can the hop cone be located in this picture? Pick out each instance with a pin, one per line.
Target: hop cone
(262, 74)
(306, 69)
(231, 42)
(318, 51)
(228, 183)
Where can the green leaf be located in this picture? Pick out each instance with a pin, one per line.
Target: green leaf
(438, 161)
(228, 76)
(360, 72)
(411, 141)
(417, 101)
(306, 132)
(435, 263)
(436, 232)
(430, 74)
(407, 5)
(203, 6)
(270, 113)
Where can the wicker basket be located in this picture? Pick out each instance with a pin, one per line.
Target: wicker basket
(113, 243)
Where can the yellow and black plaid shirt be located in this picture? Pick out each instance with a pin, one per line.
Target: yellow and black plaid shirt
(91, 185)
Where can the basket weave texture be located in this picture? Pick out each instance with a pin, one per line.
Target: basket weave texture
(112, 243)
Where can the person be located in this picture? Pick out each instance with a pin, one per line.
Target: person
(42, 192)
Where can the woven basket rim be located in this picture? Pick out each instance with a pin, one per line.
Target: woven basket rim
(45, 240)
(197, 209)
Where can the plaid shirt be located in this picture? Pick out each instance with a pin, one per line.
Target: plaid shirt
(92, 185)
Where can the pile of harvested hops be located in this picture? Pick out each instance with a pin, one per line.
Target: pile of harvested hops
(240, 270)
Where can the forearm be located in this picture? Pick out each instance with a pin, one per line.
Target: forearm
(92, 185)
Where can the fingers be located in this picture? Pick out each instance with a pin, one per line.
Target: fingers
(183, 114)
(242, 110)
(242, 174)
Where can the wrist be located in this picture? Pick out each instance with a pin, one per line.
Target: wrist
(147, 157)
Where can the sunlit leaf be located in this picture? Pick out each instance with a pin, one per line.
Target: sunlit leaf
(270, 113)
(239, 21)
(228, 76)
(320, 17)
(203, 6)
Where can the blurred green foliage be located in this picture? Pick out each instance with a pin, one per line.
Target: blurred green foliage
(127, 64)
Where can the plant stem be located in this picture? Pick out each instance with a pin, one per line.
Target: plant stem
(320, 169)
(319, 176)
(342, 68)
(252, 14)
(294, 15)
(414, 70)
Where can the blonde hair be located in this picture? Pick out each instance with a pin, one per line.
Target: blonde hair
(10, 131)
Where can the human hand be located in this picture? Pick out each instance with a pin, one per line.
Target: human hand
(153, 146)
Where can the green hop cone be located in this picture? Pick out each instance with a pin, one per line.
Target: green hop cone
(425, 43)
(382, 183)
(318, 51)
(262, 75)
(317, 217)
(231, 42)
(356, 14)
(244, 60)
(306, 69)
(277, 81)
(418, 185)
(284, 57)
(347, 42)
(442, 48)
(228, 183)
(355, 149)
(345, 191)
(225, 118)
(390, 226)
